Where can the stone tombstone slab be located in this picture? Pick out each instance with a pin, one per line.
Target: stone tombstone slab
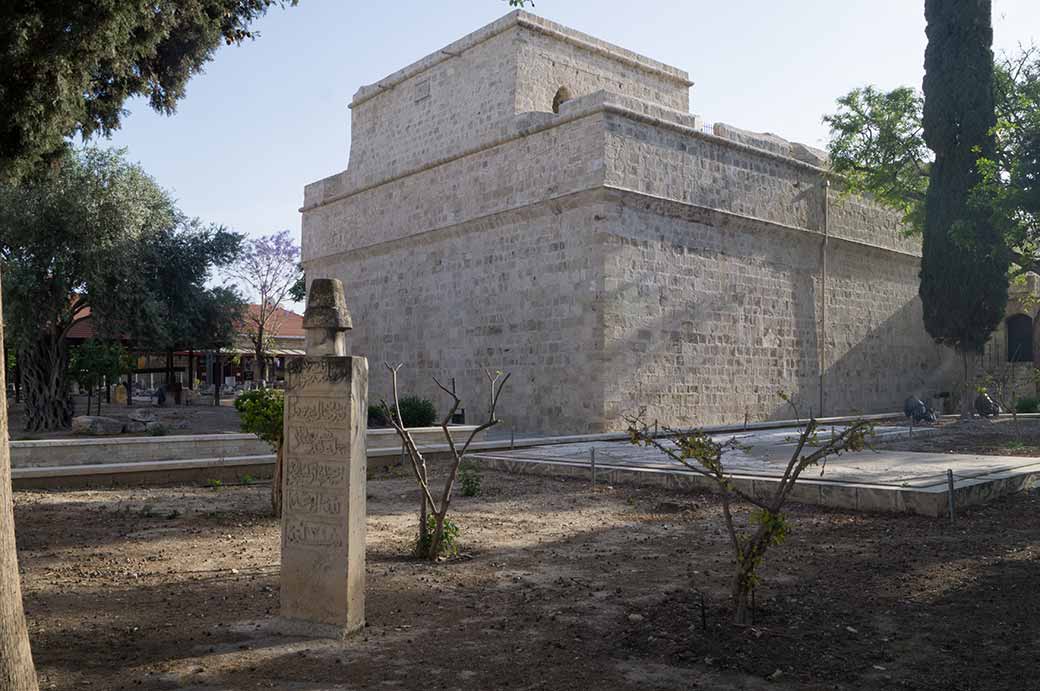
(323, 511)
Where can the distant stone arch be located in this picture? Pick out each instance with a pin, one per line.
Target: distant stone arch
(563, 94)
(1019, 338)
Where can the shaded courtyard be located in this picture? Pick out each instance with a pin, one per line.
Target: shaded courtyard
(556, 587)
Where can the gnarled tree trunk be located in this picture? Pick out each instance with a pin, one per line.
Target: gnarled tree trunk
(16, 666)
(45, 379)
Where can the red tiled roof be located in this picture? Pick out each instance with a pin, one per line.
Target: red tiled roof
(290, 324)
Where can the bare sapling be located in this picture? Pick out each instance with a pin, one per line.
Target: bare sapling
(766, 524)
(437, 534)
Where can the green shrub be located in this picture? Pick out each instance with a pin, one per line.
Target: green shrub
(261, 411)
(157, 430)
(377, 416)
(469, 479)
(449, 545)
(417, 412)
(1027, 405)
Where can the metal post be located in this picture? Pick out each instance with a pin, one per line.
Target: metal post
(949, 483)
(911, 426)
(592, 462)
(512, 437)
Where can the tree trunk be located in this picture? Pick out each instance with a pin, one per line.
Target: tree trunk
(276, 483)
(191, 369)
(130, 389)
(258, 357)
(16, 666)
(423, 540)
(258, 368)
(218, 378)
(968, 398)
(44, 374)
(169, 371)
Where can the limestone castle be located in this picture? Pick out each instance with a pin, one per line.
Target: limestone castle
(535, 200)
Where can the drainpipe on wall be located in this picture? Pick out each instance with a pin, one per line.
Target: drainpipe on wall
(822, 344)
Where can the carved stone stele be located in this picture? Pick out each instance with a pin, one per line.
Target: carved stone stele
(323, 481)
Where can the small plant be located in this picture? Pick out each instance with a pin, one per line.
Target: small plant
(1027, 405)
(433, 522)
(448, 545)
(766, 524)
(1015, 445)
(262, 412)
(214, 483)
(157, 430)
(469, 479)
(248, 479)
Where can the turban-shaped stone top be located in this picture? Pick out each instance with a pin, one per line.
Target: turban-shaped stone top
(327, 306)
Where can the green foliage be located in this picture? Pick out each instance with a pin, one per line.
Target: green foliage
(377, 416)
(298, 291)
(94, 360)
(157, 430)
(416, 412)
(1027, 405)
(70, 241)
(101, 234)
(248, 479)
(960, 238)
(262, 412)
(469, 479)
(213, 483)
(877, 146)
(167, 305)
(68, 68)
(448, 546)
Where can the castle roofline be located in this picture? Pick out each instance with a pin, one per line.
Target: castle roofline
(534, 23)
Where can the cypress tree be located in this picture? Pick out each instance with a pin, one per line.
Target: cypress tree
(964, 265)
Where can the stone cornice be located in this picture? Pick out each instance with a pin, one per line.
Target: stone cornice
(696, 213)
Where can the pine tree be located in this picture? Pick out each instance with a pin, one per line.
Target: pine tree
(964, 260)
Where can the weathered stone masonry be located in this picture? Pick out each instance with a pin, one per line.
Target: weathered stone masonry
(611, 255)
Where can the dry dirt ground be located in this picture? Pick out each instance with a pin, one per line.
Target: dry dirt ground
(1002, 436)
(200, 418)
(557, 588)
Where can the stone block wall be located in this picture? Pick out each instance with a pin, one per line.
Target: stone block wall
(611, 256)
(515, 291)
(709, 319)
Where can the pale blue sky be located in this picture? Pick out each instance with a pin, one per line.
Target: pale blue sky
(270, 116)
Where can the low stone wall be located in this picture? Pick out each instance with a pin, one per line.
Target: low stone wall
(93, 451)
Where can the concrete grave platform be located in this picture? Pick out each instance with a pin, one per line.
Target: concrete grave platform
(884, 480)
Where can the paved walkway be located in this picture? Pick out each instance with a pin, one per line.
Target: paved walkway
(867, 480)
